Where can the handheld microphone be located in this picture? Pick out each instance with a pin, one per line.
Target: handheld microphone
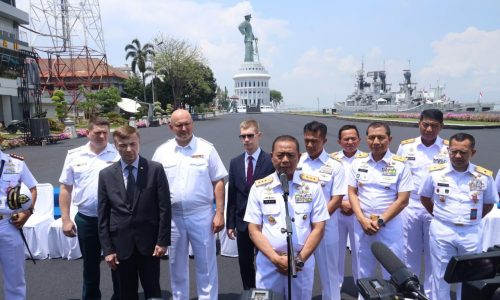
(284, 182)
(401, 276)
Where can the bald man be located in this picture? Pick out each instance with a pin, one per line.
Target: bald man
(195, 175)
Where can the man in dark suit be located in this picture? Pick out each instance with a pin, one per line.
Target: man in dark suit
(244, 169)
(134, 217)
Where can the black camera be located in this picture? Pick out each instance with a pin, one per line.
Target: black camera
(373, 289)
(479, 274)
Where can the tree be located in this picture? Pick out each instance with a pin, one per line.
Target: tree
(139, 56)
(133, 87)
(104, 100)
(60, 103)
(176, 62)
(276, 98)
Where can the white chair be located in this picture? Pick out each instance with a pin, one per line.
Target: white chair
(37, 227)
(61, 246)
(228, 247)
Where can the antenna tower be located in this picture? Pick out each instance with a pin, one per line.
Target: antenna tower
(69, 33)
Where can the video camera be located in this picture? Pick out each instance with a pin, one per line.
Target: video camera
(478, 273)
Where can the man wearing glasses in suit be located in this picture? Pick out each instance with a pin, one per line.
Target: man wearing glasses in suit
(244, 169)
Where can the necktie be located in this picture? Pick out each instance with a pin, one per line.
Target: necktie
(250, 171)
(130, 185)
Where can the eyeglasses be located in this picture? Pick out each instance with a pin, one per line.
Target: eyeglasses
(249, 136)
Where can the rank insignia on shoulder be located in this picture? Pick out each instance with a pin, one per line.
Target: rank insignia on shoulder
(263, 181)
(408, 141)
(437, 167)
(335, 155)
(399, 158)
(446, 142)
(16, 156)
(484, 171)
(362, 155)
(307, 177)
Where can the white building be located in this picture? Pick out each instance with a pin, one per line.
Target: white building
(13, 43)
(251, 85)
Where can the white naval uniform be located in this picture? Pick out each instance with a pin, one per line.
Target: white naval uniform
(346, 225)
(416, 219)
(306, 204)
(12, 258)
(378, 185)
(191, 171)
(81, 170)
(331, 178)
(458, 199)
(497, 181)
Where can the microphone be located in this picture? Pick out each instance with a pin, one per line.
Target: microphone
(284, 182)
(401, 276)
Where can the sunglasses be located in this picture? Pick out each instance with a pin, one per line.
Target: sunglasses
(249, 136)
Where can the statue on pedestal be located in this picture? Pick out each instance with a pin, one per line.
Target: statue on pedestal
(246, 29)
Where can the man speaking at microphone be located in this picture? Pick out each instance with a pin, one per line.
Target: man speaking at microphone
(266, 214)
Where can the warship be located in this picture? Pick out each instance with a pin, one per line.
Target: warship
(377, 96)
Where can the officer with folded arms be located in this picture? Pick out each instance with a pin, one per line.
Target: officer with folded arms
(15, 209)
(458, 194)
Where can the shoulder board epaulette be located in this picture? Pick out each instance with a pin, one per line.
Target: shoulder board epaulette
(484, 171)
(437, 167)
(73, 150)
(202, 139)
(446, 142)
(335, 156)
(362, 155)
(16, 156)
(399, 158)
(262, 181)
(308, 177)
(408, 141)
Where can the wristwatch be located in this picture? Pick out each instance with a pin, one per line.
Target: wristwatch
(299, 263)
(381, 222)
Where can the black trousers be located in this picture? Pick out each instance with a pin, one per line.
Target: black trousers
(88, 238)
(246, 258)
(143, 267)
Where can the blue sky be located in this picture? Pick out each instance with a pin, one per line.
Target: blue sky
(313, 49)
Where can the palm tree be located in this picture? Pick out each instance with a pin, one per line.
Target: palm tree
(139, 57)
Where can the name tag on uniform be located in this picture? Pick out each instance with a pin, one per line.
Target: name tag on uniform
(362, 174)
(410, 157)
(473, 214)
(270, 201)
(443, 184)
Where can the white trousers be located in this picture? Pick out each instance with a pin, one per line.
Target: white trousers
(391, 235)
(12, 261)
(267, 277)
(327, 260)
(194, 229)
(447, 240)
(416, 222)
(346, 228)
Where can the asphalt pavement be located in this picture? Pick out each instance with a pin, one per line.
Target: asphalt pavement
(62, 279)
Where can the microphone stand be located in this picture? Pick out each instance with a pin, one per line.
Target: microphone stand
(292, 268)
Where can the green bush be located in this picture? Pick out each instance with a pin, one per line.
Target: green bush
(55, 125)
(116, 118)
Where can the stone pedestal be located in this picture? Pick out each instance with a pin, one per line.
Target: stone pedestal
(69, 127)
(131, 122)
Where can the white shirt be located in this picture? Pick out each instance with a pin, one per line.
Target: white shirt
(81, 170)
(329, 171)
(14, 172)
(379, 182)
(266, 207)
(459, 196)
(497, 180)
(420, 158)
(346, 164)
(191, 171)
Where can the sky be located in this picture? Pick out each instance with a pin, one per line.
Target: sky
(313, 49)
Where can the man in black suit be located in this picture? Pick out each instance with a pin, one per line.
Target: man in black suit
(134, 217)
(244, 169)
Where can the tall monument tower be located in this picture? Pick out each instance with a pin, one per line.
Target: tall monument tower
(251, 82)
